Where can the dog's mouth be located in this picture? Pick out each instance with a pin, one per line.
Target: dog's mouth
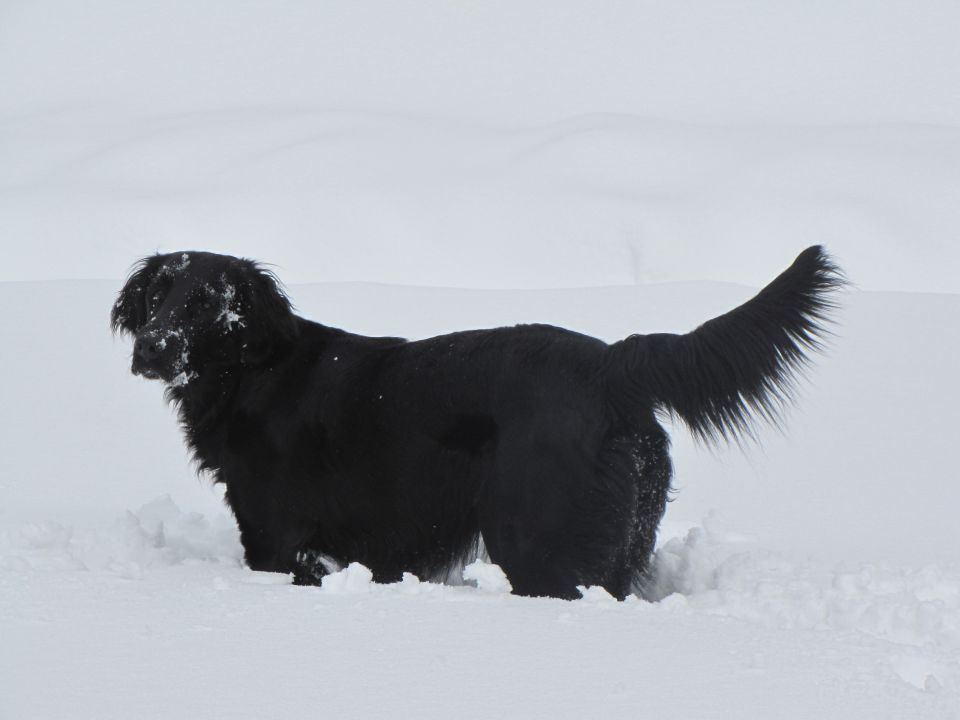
(177, 376)
(147, 373)
(144, 371)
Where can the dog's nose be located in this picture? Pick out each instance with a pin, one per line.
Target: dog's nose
(147, 348)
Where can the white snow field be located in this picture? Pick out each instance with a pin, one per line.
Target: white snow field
(417, 168)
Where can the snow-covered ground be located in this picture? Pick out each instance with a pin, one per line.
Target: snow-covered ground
(419, 168)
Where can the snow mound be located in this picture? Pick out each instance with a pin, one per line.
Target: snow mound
(158, 534)
(487, 576)
(353, 579)
(716, 572)
(595, 594)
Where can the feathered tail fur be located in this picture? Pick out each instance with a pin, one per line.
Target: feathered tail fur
(740, 365)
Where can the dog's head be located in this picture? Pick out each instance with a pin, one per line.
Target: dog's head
(193, 314)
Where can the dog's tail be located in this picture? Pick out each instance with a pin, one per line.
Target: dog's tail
(740, 365)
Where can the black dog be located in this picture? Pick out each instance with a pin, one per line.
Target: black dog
(336, 447)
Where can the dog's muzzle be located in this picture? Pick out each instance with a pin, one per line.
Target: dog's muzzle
(153, 356)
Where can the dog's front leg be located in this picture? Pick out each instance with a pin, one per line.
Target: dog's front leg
(311, 566)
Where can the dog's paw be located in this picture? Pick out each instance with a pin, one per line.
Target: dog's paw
(311, 566)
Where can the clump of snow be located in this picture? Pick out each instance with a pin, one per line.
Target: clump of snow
(353, 579)
(488, 577)
(410, 583)
(183, 375)
(182, 378)
(595, 594)
(229, 316)
(175, 266)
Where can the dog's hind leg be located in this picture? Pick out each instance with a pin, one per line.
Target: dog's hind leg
(552, 517)
(644, 456)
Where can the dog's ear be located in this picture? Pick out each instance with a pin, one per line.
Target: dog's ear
(129, 312)
(269, 322)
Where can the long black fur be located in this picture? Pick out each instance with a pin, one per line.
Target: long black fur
(542, 442)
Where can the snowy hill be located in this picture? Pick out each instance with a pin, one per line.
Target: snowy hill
(498, 145)
(418, 168)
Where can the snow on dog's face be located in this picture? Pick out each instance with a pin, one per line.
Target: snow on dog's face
(195, 314)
